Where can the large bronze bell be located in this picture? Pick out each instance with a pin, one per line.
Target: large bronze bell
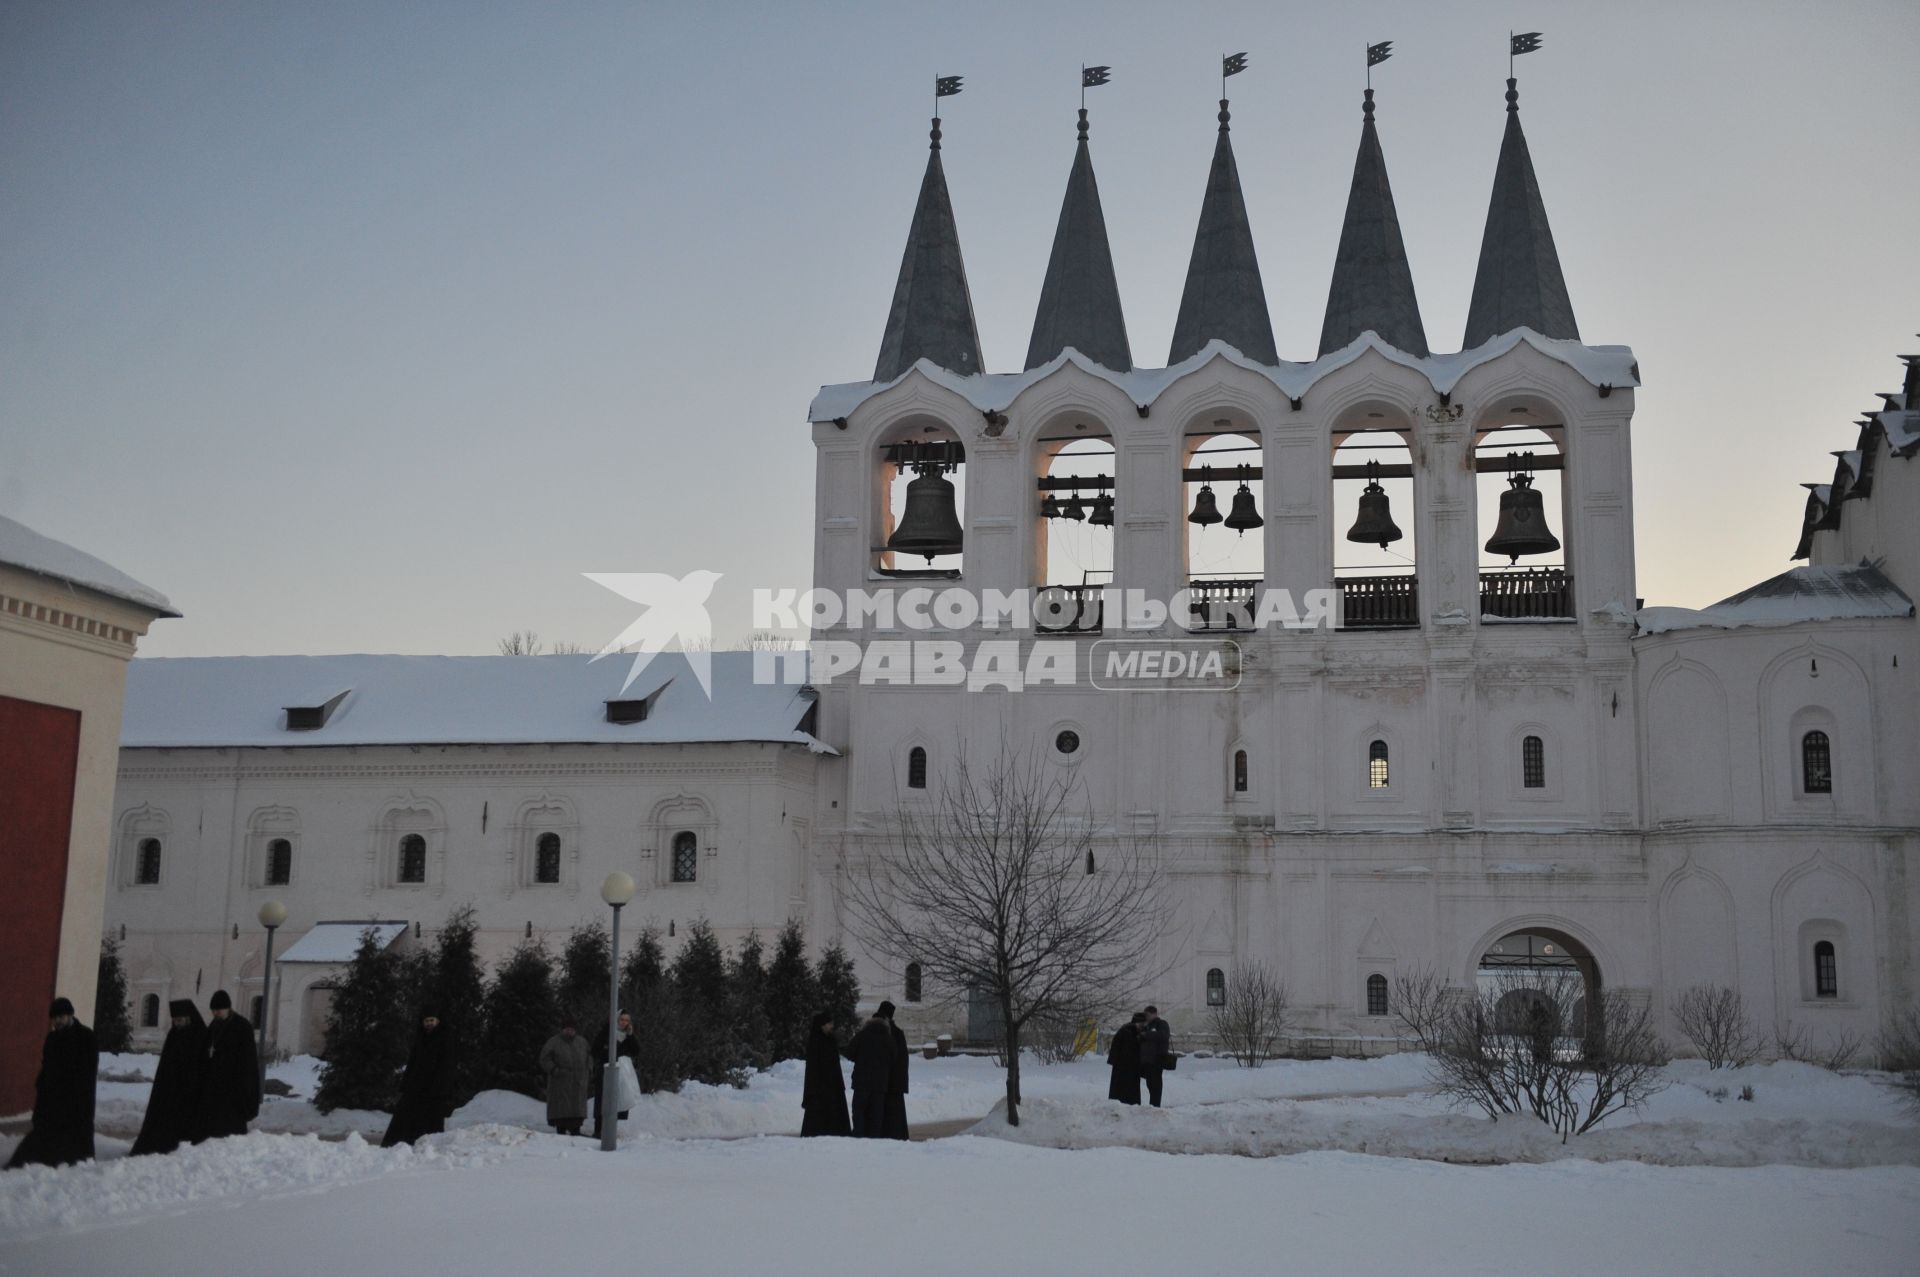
(1523, 522)
(929, 525)
(1243, 515)
(1102, 516)
(1375, 525)
(1205, 509)
(1075, 509)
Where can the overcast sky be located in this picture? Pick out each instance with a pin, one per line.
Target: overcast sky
(369, 327)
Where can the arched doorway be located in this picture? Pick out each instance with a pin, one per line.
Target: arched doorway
(1542, 984)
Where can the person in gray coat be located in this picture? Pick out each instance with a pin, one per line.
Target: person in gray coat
(569, 1069)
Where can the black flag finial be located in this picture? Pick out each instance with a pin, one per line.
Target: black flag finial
(1376, 54)
(1090, 78)
(1230, 64)
(1519, 43)
(944, 86)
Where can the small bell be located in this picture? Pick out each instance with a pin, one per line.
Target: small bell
(1205, 509)
(1523, 518)
(929, 524)
(1244, 515)
(1375, 524)
(1074, 509)
(1102, 516)
(1050, 507)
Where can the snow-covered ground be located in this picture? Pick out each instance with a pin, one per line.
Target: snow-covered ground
(1753, 1187)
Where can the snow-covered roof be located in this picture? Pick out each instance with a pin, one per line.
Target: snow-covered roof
(339, 941)
(1798, 594)
(23, 548)
(993, 392)
(1902, 427)
(211, 701)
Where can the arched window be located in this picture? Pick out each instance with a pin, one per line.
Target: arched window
(1239, 771)
(413, 859)
(150, 1011)
(916, 768)
(1376, 994)
(913, 982)
(279, 862)
(1216, 987)
(686, 856)
(1826, 971)
(1377, 765)
(1816, 763)
(1089, 860)
(146, 869)
(546, 858)
(1533, 763)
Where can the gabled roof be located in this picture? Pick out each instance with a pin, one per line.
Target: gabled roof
(21, 547)
(932, 314)
(1518, 283)
(1799, 594)
(222, 701)
(1372, 282)
(1080, 299)
(1224, 299)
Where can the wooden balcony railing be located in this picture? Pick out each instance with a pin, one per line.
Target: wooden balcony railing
(1223, 604)
(1068, 609)
(1545, 593)
(1379, 602)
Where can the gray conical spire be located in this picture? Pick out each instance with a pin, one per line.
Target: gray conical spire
(1080, 300)
(1519, 281)
(1224, 297)
(1372, 283)
(932, 315)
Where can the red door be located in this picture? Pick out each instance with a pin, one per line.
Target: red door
(39, 749)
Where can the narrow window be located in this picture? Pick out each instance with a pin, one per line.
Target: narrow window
(913, 982)
(150, 1011)
(279, 862)
(1816, 763)
(1377, 765)
(1239, 771)
(1533, 763)
(916, 768)
(146, 869)
(413, 858)
(686, 856)
(1376, 994)
(1216, 987)
(1089, 860)
(1826, 971)
(546, 858)
(258, 1009)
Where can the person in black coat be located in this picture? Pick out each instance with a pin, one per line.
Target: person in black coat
(175, 1099)
(1156, 1044)
(426, 1088)
(230, 1086)
(1124, 1056)
(824, 1094)
(62, 1094)
(872, 1054)
(629, 1049)
(895, 1126)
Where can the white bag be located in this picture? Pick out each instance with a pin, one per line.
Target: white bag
(626, 1085)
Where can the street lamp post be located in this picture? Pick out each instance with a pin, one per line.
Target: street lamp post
(616, 891)
(272, 915)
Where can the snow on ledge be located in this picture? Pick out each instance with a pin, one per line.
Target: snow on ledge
(22, 547)
(994, 392)
(1800, 594)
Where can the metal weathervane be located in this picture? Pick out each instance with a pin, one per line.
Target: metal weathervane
(1376, 54)
(1230, 64)
(1092, 78)
(1524, 42)
(944, 86)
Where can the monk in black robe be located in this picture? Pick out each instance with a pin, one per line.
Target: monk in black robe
(62, 1095)
(177, 1082)
(895, 1127)
(230, 1088)
(872, 1054)
(824, 1094)
(426, 1088)
(1124, 1056)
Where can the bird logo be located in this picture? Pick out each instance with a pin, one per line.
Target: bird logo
(673, 610)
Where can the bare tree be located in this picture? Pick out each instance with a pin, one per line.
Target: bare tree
(1253, 1015)
(992, 886)
(1713, 1017)
(521, 643)
(1794, 1043)
(1506, 1049)
(1419, 1002)
(1900, 1053)
(768, 641)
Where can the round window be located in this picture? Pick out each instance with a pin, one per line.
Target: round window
(1067, 742)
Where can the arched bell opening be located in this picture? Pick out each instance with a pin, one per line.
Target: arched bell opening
(920, 471)
(1519, 489)
(1076, 503)
(1543, 987)
(1223, 483)
(1375, 559)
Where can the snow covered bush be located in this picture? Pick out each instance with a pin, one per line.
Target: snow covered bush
(1713, 1018)
(792, 994)
(1900, 1053)
(368, 1031)
(1795, 1043)
(1253, 1015)
(522, 1012)
(1419, 1002)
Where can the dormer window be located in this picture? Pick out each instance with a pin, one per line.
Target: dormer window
(313, 714)
(634, 709)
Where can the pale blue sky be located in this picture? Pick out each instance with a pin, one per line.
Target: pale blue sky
(368, 327)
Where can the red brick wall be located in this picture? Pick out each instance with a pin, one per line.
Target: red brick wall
(39, 750)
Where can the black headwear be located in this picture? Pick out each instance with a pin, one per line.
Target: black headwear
(821, 1019)
(219, 1001)
(60, 1007)
(884, 1011)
